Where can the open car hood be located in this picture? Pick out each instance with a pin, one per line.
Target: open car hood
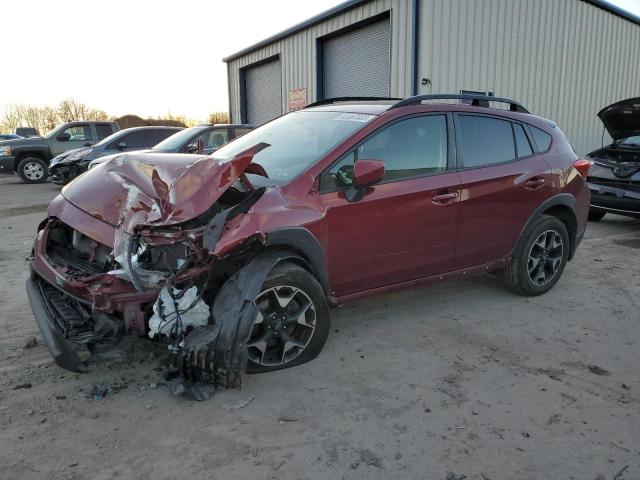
(622, 119)
(155, 189)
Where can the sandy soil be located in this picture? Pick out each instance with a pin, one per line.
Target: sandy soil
(460, 380)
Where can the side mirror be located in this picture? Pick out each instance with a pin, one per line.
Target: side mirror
(365, 174)
(122, 146)
(63, 137)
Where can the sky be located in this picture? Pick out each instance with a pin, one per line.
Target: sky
(144, 57)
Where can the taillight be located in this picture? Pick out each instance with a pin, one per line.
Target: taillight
(582, 166)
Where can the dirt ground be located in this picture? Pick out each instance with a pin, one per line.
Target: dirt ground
(460, 380)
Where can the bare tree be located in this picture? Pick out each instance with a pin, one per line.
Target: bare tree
(218, 117)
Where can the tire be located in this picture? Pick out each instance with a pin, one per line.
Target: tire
(33, 170)
(596, 215)
(544, 230)
(281, 282)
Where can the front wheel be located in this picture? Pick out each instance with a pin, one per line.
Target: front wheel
(596, 215)
(293, 322)
(33, 170)
(540, 258)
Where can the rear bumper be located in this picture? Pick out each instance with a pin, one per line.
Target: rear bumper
(61, 350)
(7, 164)
(621, 201)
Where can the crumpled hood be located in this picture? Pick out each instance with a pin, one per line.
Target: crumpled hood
(622, 119)
(155, 189)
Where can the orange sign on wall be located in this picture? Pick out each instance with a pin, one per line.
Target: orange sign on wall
(297, 98)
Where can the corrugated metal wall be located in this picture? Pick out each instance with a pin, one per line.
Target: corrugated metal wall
(298, 52)
(563, 59)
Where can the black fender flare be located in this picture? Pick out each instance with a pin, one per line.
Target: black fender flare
(36, 151)
(560, 199)
(304, 242)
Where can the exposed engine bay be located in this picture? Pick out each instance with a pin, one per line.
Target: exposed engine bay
(157, 281)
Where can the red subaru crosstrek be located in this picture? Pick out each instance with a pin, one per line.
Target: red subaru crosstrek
(235, 259)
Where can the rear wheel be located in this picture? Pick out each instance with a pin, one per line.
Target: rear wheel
(293, 320)
(596, 215)
(540, 258)
(33, 170)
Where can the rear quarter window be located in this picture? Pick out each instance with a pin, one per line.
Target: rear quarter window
(541, 139)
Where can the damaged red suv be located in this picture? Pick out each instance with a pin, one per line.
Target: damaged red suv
(235, 259)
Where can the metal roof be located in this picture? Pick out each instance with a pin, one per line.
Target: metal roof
(343, 7)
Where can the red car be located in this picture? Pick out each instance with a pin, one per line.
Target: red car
(235, 259)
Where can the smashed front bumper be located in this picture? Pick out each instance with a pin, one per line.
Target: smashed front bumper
(48, 319)
(618, 197)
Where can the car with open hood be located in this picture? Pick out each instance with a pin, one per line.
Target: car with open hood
(68, 165)
(235, 259)
(614, 176)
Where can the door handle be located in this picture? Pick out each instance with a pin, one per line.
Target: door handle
(534, 183)
(444, 198)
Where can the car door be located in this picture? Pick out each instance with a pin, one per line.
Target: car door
(79, 135)
(404, 227)
(502, 183)
(134, 140)
(213, 140)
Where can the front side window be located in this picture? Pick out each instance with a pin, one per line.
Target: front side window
(296, 141)
(409, 148)
(485, 140)
(214, 139)
(79, 133)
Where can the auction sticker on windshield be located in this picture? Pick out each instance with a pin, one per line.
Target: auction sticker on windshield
(355, 117)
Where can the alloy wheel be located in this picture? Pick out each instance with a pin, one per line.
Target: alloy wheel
(33, 171)
(283, 327)
(545, 257)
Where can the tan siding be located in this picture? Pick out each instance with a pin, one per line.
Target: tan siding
(299, 59)
(564, 60)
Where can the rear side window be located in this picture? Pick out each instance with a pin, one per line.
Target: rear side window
(542, 139)
(242, 131)
(103, 131)
(485, 140)
(523, 146)
(162, 134)
(137, 139)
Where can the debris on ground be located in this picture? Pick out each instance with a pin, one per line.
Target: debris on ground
(31, 342)
(618, 475)
(22, 385)
(98, 391)
(369, 458)
(453, 476)
(242, 403)
(598, 370)
(181, 388)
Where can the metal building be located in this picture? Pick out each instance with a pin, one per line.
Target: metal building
(563, 59)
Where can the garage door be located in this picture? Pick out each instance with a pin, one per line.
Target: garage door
(263, 87)
(357, 63)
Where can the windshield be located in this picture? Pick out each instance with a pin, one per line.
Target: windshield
(176, 141)
(296, 140)
(633, 141)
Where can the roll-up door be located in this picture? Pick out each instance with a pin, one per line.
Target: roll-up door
(357, 63)
(263, 87)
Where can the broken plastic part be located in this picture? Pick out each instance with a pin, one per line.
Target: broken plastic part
(220, 349)
(126, 251)
(193, 312)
